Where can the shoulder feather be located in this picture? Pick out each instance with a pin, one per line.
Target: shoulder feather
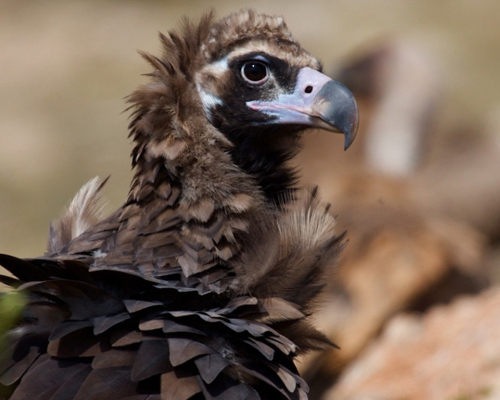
(84, 211)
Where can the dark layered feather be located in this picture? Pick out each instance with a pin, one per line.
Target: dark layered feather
(92, 352)
(139, 334)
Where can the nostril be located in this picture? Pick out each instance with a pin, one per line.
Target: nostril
(308, 89)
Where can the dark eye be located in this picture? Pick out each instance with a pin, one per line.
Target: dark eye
(255, 72)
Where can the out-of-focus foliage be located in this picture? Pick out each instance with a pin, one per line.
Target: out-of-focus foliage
(11, 304)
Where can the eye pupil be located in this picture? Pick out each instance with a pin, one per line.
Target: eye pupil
(254, 72)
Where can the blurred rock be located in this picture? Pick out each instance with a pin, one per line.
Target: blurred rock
(463, 182)
(416, 226)
(400, 86)
(398, 257)
(452, 352)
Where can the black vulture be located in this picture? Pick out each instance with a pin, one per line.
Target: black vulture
(200, 285)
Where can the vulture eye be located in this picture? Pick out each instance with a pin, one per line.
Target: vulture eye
(255, 72)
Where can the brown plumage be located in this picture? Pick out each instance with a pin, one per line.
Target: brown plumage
(200, 285)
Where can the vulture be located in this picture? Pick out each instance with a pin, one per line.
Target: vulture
(200, 286)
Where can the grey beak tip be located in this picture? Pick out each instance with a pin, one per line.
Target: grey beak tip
(337, 106)
(350, 129)
(348, 139)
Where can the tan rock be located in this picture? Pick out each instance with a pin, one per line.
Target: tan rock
(450, 353)
(396, 253)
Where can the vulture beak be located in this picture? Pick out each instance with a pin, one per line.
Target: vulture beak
(316, 101)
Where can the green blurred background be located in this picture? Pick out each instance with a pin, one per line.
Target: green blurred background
(66, 66)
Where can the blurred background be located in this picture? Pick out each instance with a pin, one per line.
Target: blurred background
(415, 293)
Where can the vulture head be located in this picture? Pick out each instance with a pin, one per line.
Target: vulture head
(254, 85)
(200, 285)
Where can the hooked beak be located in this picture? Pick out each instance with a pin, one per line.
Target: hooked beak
(316, 101)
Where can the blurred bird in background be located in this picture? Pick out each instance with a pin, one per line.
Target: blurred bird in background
(200, 285)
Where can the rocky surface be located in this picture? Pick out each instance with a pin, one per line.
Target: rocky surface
(450, 353)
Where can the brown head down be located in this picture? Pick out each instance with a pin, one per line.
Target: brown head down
(201, 284)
